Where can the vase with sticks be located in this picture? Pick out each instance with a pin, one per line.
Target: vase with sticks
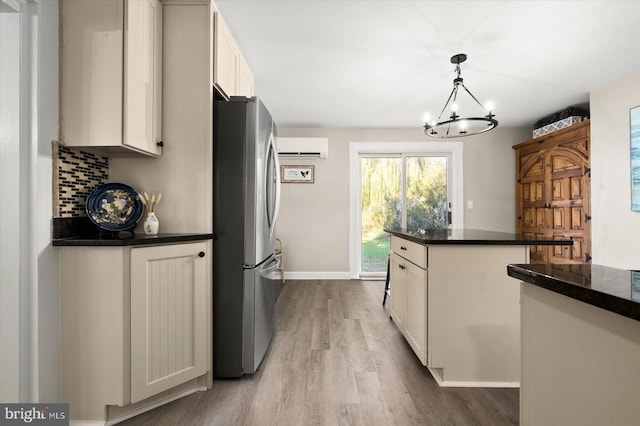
(151, 225)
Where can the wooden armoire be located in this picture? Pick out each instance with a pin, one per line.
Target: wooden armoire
(553, 193)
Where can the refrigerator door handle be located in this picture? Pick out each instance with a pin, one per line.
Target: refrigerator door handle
(276, 163)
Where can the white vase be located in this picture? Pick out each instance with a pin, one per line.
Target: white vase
(151, 224)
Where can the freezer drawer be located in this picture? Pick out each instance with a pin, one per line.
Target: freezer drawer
(259, 313)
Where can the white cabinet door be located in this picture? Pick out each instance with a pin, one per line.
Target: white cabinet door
(143, 75)
(231, 74)
(111, 83)
(416, 322)
(398, 308)
(225, 59)
(91, 73)
(245, 79)
(168, 317)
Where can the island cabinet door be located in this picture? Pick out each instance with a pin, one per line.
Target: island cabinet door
(398, 307)
(416, 322)
(168, 317)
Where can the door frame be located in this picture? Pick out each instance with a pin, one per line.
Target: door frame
(356, 148)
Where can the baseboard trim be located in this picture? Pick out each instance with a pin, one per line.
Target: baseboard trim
(292, 275)
(150, 407)
(437, 375)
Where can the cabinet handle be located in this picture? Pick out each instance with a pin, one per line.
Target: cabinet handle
(160, 144)
(201, 254)
(403, 248)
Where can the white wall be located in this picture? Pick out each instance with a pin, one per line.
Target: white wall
(10, 300)
(46, 345)
(314, 218)
(184, 171)
(615, 228)
(36, 325)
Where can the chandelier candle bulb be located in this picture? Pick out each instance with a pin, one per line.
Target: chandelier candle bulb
(490, 107)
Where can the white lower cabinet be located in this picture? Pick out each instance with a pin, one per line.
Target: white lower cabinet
(398, 306)
(136, 326)
(168, 317)
(409, 301)
(458, 309)
(416, 330)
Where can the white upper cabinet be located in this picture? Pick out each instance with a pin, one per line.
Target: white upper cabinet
(143, 76)
(231, 74)
(111, 78)
(245, 79)
(225, 58)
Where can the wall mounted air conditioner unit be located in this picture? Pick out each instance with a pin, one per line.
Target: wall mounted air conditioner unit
(303, 147)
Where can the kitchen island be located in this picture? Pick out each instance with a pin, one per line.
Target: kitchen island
(580, 344)
(454, 304)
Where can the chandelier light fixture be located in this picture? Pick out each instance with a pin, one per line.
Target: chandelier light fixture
(456, 126)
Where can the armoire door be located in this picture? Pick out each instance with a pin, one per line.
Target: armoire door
(533, 208)
(568, 205)
(553, 194)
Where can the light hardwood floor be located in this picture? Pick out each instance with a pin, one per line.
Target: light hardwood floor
(337, 359)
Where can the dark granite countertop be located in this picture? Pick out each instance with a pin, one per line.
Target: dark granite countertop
(79, 231)
(615, 290)
(469, 237)
(128, 239)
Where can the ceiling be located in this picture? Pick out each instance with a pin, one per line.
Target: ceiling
(334, 63)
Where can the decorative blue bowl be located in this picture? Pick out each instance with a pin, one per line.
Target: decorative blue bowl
(114, 207)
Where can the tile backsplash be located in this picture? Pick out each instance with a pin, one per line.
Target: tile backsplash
(75, 174)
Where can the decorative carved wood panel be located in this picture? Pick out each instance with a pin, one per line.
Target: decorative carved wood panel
(553, 193)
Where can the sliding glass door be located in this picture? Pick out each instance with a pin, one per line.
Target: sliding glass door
(400, 190)
(381, 196)
(426, 192)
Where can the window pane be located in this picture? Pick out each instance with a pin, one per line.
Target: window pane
(426, 192)
(381, 208)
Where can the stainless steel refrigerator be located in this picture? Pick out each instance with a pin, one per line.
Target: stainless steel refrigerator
(246, 200)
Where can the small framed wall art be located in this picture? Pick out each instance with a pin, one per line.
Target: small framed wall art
(634, 121)
(297, 174)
